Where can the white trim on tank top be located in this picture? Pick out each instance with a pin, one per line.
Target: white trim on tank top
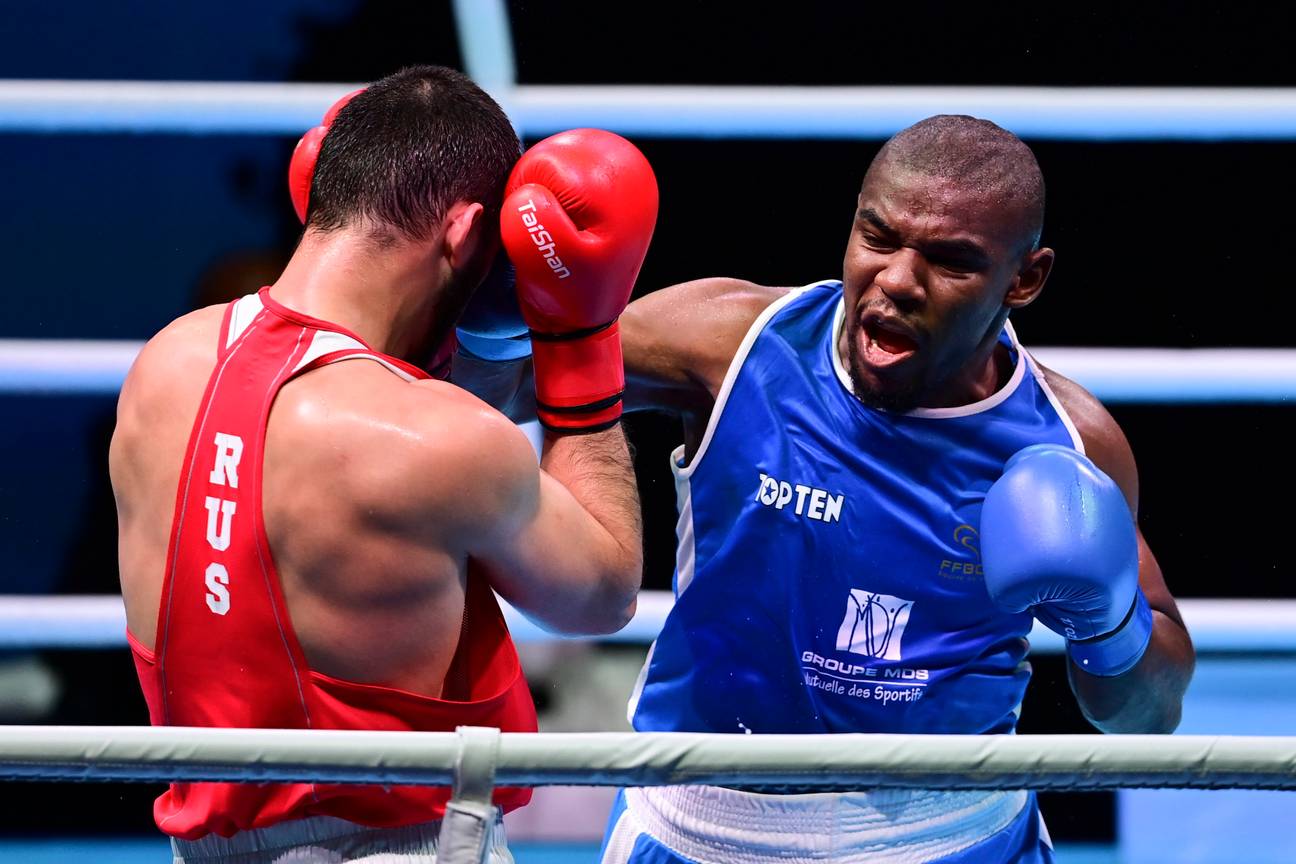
(330, 341)
(246, 309)
(995, 399)
(1038, 373)
(731, 375)
(684, 548)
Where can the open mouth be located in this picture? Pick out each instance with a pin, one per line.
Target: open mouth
(886, 343)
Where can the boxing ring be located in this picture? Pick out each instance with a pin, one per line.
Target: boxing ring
(1246, 647)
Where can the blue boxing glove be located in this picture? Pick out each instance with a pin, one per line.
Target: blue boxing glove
(491, 327)
(1057, 539)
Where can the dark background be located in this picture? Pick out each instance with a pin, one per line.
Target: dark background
(1159, 244)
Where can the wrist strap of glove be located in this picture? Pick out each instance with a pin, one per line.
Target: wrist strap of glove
(1116, 652)
(495, 348)
(579, 378)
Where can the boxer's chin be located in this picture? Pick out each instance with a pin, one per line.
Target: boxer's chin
(894, 392)
(895, 400)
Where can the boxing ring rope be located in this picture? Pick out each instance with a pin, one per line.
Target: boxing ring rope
(67, 366)
(98, 621)
(1070, 113)
(1073, 762)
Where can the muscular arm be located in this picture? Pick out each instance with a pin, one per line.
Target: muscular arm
(680, 340)
(1149, 697)
(678, 344)
(563, 542)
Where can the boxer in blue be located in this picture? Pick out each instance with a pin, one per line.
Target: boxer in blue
(879, 488)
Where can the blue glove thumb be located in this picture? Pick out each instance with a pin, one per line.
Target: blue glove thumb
(491, 326)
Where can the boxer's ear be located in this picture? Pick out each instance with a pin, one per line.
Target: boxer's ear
(464, 233)
(1030, 279)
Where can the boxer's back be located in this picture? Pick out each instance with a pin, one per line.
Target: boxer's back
(366, 604)
(310, 573)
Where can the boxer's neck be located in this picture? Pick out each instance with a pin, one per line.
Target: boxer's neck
(385, 294)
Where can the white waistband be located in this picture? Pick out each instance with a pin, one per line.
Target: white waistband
(326, 839)
(714, 825)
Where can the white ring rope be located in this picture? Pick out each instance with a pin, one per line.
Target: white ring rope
(1077, 113)
(127, 753)
(98, 621)
(92, 366)
(65, 366)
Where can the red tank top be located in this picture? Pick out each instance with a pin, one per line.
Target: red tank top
(225, 652)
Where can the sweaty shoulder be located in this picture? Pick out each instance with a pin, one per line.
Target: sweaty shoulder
(1103, 439)
(185, 346)
(679, 341)
(418, 457)
(165, 384)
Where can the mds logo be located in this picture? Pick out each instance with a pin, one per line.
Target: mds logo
(874, 624)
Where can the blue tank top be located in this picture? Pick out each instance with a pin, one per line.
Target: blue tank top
(828, 575)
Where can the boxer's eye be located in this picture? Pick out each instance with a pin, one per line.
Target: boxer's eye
(955, 265)
(873, 241)
(956, 258)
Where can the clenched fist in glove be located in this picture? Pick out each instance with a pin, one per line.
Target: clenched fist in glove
(576, 222)
(1057, 538)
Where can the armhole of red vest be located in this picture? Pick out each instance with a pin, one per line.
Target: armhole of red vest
(139, 650)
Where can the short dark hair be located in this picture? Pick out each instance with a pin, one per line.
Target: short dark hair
(406, 148)
(978, 153)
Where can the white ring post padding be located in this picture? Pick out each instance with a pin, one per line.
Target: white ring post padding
(69, 366)
(474, 769)
(470, 816)
(98, 621)
(652, 759)
(1076, 113)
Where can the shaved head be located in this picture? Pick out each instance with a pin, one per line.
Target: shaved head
(974, 154)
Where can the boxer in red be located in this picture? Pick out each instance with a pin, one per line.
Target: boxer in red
(311, 526)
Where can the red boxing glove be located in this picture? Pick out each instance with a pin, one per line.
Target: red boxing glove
(576, 222)
(301, 168)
